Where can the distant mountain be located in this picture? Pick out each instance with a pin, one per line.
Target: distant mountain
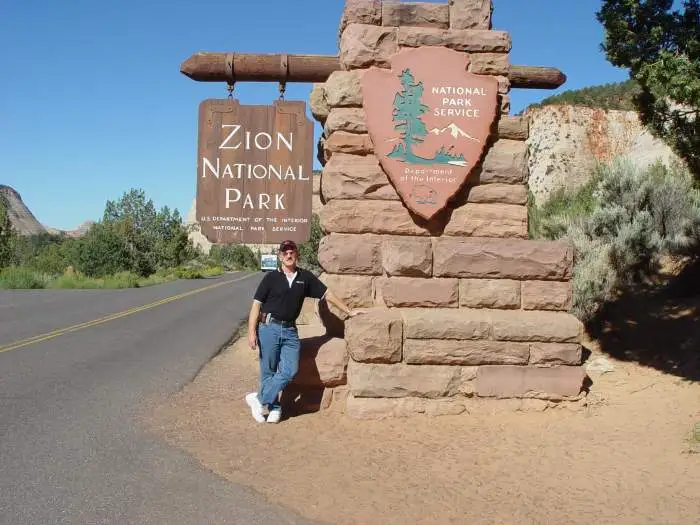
(24, 222)
(454, 130)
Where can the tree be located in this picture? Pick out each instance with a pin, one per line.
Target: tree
(407, 116)
(153, 239)
(8, 235)
(102, 252)
(661, 47)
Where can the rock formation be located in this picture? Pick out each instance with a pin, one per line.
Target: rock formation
(566, 142)
(23, 221)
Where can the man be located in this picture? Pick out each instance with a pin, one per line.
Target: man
(272, 322)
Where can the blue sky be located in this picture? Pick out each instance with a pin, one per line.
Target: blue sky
(92, 101)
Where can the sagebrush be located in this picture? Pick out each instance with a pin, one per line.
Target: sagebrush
(620, 225)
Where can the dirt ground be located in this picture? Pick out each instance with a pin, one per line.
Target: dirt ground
(626, 458)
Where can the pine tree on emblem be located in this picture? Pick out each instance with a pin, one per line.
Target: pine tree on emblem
(407, 117)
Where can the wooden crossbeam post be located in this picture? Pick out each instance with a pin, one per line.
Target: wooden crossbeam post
(227, 67)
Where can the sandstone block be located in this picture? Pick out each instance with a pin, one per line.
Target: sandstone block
(384, 408)
(505, 162)
(503, 84)
(318, 103)
(407, 256)
(375, 337)
(361, 12)
(527, 381)
(489, 293)
(354, 290)
(489, 407)
(548, 327)
(489, 64)
(513, 128)
(354, 254)
(334, 398)
(356, 177)
(502, 259)
(470, 14)
(350, 143)
(451, 352)
(498, 193)
(370, 216)
(420, 14)
(468, 40)
(401, 380)
(322, 362)
(488, 220)
(343, 89)
(555, 354)
(309, 312)
(350, 120)
(547, 295)
(415, 292)
(422, 323)
(504, 102)
(364, 46)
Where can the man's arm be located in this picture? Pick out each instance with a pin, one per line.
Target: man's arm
(351, 312)
(252, 324)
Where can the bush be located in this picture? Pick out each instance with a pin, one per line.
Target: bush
(102, 252)
(17, 278)
(620, 225)
(235, 257)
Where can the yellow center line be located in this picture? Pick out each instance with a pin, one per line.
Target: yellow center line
(50, 335)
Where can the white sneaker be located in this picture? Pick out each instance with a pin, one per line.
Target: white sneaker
(256, 407)
(275, 415)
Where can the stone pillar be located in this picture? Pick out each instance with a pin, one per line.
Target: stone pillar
(466, 313)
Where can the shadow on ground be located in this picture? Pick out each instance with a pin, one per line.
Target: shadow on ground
(657, 325)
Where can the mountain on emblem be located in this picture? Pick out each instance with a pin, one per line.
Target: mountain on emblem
(454, 130)
(417, 115)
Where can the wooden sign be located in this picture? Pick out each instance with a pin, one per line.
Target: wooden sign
(254, 172)
(429, 120)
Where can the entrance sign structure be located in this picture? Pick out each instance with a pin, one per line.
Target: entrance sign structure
(425, 217)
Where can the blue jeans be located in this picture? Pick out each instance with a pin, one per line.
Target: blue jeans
(279, 360)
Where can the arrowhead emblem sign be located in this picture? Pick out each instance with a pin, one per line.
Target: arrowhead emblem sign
(429, 120)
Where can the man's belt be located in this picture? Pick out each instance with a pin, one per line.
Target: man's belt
(268, 318)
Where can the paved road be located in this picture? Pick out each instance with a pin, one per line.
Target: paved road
(71, 450)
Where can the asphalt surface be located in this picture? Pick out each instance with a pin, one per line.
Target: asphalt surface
(71, 447)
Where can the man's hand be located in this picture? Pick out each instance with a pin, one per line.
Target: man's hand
(252, 340)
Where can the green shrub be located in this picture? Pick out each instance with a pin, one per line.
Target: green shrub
(101, 252)
(235, 257)
(189, 273)
(18, 278)
(620, 225)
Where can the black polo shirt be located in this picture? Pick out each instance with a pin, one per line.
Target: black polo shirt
(283, 301)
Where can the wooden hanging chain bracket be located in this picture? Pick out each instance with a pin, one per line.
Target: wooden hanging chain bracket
(284, 74)
(231, 83)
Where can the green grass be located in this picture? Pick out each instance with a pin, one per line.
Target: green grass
(22, 278)
(19, 278)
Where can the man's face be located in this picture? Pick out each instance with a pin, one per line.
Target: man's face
(289, 257)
